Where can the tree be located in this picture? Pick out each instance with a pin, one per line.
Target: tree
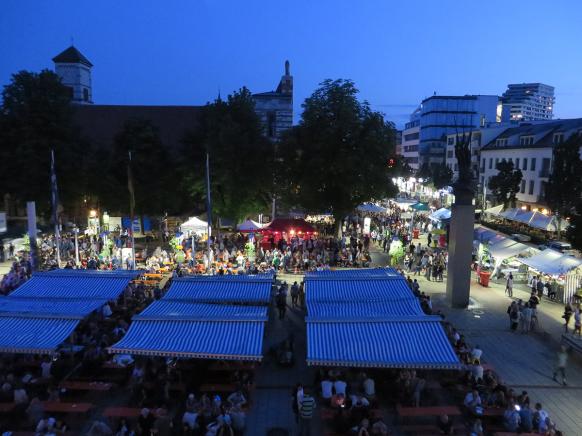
(505, 184)
(337, 157)
(441, 176)
(35, 117)
(564, 187)
(241, 158)
(151, 170)
(574, 231)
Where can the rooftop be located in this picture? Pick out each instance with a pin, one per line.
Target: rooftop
(72, 56)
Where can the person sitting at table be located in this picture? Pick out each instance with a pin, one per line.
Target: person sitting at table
(472, 402)
(238, 418)
(379, 428)
(237, 399)
(46, 424)
(511, 418)
(362, 428)
(476, 354)
(369, 387)
(476, 371)
(60, 426)
(326, 388)
(339, 387)
(338, 400)
(477, 428)
(145, 421)
(526, 418)
(190, 420)
(124, 428)
(35, 411)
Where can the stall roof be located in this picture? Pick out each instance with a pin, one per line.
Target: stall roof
(440, 215)
(360, 273)
(363, 310)
(183, 310)
(371, 207)
(535, 219)
(552, 262)
(357, 290)
(189, 339)
(194, 224)
(95, 285)
(34, 335)
(31, 308)
(386, 344)
(508, 248)
(249, 226)
(220, 290)
(288, 224)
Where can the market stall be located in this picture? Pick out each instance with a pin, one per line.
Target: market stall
(194, 225)
(249, 226)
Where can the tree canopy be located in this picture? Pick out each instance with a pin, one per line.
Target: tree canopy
(35, 117)
(337, 156)
(505, 184)
(564, 188)
(241, 158)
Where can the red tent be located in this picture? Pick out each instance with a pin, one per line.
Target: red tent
(289, 226)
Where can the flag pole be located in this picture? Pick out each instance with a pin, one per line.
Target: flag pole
(208, 207)
(131, 208)
(55, 204)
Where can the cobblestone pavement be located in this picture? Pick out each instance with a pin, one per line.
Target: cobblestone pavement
(524, 361)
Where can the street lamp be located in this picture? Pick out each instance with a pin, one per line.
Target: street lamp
(76, 232)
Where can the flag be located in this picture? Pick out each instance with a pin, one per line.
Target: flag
(54, 195)
(208, 198)
(131, 190)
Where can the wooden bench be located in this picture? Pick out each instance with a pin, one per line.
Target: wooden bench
(429, 429)
(493, 411)
(59, 407)
(428, 411)
(121, 412)
(86, 386)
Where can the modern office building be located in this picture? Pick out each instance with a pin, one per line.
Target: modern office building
(528, 102)
(530, 147)
(445, 115)
(411, 139)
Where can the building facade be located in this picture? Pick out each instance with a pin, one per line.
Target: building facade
(74, 69)
(528, 102)
(530, 148)
(410, 140)
(275, 109)
(445, 115)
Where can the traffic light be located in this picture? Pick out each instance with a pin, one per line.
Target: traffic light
(391, 162)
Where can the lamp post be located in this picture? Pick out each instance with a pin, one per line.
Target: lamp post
(76, 232)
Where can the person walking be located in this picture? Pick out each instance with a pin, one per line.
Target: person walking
(567, 315)
(509, 285)
(577, 321)
(561, 366)
(294, 294)
(281, 303)
(306, 408)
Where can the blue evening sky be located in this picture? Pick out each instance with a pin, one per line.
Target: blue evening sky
(175, 52)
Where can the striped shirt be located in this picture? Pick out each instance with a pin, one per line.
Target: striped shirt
(306, 407)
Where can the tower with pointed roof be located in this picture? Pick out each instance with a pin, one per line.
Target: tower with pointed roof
(74, 69)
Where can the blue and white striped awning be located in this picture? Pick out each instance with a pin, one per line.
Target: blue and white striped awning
(182, 310)
(34, 335)
(401, 343)
(188, 339)
(32, 308)
(360, 273)
(363, 310)
(220, 290)
(357, 290)
(94, 285)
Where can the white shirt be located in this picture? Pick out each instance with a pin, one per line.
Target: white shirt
(369, 387)
(189, 419)
(20, 396)
(326, 386)
(340, 387)
(469, 400)
(477, 371)
(476, 354)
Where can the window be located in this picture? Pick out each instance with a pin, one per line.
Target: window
(558, 138)
(483, 162)
(501, 142)
(533, 164)
(490, 163)
(271, 124)
(451, 140)
(450, 154)
(531, 187)
(516, 166)
(85, 94)
(545, 171)
(524, 166)
(522, 188)
(526, 140)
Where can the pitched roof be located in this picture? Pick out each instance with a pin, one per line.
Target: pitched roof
(71, 56)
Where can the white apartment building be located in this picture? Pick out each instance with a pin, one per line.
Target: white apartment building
(410, 140)
(530, 148)
(528, 102)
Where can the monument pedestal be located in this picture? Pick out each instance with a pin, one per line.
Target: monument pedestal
(460, 255)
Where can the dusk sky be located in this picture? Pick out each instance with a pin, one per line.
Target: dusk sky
(183, 52)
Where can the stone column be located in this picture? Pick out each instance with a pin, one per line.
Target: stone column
(460, 254)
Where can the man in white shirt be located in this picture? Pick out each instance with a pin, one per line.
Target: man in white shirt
(472, 400)
(340, 387)
(326, 389)
(476, 354)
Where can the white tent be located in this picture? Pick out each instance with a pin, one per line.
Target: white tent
(535, 219)
(371, 207)
(552, 262)
(441, 214)
(194, 225)
(249, 226)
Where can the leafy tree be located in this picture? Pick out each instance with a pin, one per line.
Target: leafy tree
(337, 157)
(36, 117)
(241, 158)
(574, 231)
(564, 187)
(151, 170)
(441, 176)
(505, 184)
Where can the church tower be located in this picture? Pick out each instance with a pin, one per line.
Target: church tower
(74, 69)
